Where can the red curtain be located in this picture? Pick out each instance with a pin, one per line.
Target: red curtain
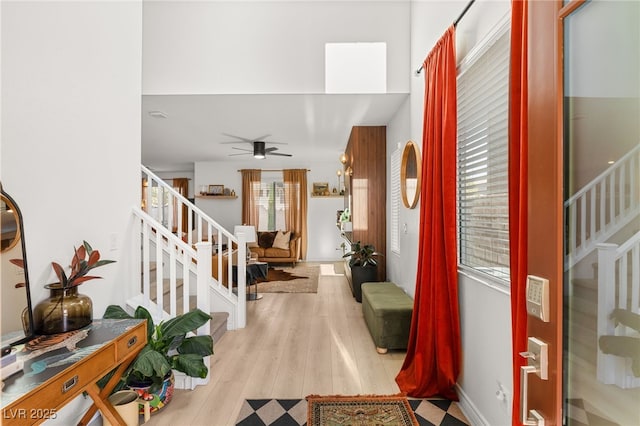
(432, 363)
(518, 142)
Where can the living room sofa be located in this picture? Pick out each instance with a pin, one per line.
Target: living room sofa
(266, 251)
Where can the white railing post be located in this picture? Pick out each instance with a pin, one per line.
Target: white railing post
(242, 280)
(606, 364)
(203, 250)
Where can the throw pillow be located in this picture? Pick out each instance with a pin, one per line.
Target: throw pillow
(265, 239)
(282, 240)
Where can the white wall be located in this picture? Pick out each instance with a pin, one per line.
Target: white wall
(484, 311)
(263, 47)
(70, 153)
(324, 238)
(402, 267)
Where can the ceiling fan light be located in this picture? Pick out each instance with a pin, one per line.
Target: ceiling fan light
(259, 150)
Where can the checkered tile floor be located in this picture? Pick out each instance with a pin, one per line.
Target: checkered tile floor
(293, 412)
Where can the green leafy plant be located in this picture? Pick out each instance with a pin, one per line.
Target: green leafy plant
(85, 258)
(167, 346)
(360, 255)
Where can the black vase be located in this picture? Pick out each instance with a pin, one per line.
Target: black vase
(360, 275)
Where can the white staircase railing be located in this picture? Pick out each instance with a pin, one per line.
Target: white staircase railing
(618, 289)
(603, 207)
(166, 208)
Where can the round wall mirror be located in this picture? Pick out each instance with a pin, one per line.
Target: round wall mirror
(410, 171)
(10, 226)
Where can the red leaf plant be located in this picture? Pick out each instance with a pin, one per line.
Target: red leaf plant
(84, 259)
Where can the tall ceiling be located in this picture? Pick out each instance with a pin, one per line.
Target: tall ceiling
(252, 69)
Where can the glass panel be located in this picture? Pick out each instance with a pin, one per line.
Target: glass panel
(272, 207)
(602, 165)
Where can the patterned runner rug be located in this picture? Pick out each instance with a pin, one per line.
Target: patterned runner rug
(383, 410)
(293, 412)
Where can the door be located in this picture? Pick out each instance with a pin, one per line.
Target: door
(600, 114)
(583, 114)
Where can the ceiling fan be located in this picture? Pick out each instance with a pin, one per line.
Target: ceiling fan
(259, 150)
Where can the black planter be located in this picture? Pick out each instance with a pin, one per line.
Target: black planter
(362, 274)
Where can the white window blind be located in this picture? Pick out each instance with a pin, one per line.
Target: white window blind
(395, 201)
(483, 104)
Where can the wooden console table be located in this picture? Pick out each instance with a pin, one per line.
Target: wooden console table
(58, 368)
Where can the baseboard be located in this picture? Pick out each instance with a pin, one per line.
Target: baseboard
(469, 409)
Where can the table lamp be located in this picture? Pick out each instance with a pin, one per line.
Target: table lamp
(250, 236)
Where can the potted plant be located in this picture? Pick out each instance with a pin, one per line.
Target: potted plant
(168, 348)
(363, 265)
(65, 309)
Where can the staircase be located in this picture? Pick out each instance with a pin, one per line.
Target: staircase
(218, 324)
(602, 208)
(176, 269)
(604, 274)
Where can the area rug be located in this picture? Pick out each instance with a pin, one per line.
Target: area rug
(383, 410)
(293, 412)
(303, 278)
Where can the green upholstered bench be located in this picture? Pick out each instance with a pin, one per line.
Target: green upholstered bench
(387, 311)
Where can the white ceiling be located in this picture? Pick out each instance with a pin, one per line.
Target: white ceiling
(314, 126)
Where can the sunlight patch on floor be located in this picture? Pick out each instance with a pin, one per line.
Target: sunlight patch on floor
(328, 269)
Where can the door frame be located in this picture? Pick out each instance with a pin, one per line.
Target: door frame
(546, 199)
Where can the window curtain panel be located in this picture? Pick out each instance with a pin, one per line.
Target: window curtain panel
(518, 195)
(432, 363)
(250, 194)
(182, 186)
(295, 194)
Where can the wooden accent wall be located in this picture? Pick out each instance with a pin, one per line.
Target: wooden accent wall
(367, 156)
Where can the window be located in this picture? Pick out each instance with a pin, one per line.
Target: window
(395, 201)
(271, 202)
(483, 209)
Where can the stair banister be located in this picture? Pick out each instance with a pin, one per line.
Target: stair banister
(200, 227)
(600, 210)
(201, 216)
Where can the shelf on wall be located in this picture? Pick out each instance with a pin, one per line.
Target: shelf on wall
(327, 196)
(218, 197)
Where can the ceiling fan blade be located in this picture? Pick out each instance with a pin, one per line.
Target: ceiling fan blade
(273, 148)
(241, 139)
(230, 142)
(244, 153)
(240, 149)
(279, 154)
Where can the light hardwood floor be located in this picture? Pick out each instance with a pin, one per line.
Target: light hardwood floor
(294, 345)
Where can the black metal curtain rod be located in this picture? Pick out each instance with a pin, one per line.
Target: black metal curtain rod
(455, 24)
